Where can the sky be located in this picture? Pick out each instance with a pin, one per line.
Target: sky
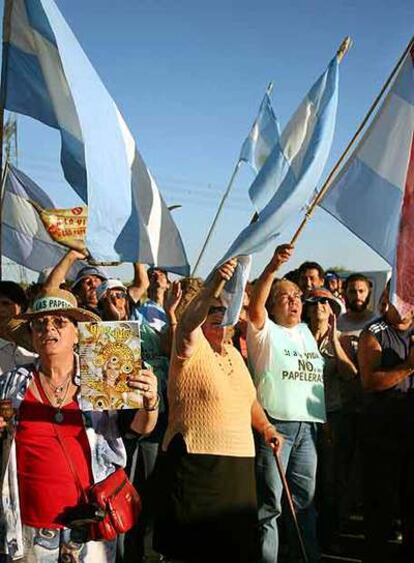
(188, 77)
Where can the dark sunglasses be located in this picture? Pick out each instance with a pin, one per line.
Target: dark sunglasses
(120, 294)
(214, 310)
(323, 300)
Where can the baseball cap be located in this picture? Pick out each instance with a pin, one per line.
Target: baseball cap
(109, 284)
(316, 295)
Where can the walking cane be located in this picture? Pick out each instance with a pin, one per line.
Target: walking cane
(291, 507)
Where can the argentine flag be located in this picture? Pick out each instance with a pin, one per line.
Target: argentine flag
(47, 76)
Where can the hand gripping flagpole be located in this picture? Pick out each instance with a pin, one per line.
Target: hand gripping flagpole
(222, 202)
(319, 196)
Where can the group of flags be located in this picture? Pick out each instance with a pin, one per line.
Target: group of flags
(46, 75)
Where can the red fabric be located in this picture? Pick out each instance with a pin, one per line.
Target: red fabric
(46, 483)
(405, 261)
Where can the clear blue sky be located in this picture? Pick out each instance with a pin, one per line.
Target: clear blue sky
(189, 75)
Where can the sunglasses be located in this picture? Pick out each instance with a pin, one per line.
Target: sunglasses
(119, 294)
(59, 323)
(214, 310)
(323, 300)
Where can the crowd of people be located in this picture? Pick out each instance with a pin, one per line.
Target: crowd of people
(312, 373)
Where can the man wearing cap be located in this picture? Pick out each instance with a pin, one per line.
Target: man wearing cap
(288, 373)
(12, 302)
(89, 278)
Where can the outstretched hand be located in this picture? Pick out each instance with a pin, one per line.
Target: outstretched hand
(282, 254)
(173, 297)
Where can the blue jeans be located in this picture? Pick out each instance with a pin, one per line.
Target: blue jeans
(298, 458)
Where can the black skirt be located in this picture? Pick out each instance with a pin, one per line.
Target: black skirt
(205, 506)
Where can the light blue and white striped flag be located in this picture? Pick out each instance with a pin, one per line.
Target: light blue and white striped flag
(24, 238)
(373, 195)
(263, 136)
(47, 76)
(288, 177)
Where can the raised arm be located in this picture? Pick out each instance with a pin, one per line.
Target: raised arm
(196, 312)
(263, 285)
(374, 378)
(140, 283)
(60, 271)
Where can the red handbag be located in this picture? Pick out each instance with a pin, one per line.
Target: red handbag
(121, 503)
(110, 507)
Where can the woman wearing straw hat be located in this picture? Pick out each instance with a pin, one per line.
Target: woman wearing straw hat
(39, 487)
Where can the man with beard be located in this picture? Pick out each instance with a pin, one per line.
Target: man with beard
(357, 292)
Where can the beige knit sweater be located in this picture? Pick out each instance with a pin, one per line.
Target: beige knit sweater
(210, 400)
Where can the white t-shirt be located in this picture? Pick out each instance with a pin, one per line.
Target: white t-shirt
(288, 371)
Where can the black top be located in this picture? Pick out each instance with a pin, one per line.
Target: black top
(395, 346)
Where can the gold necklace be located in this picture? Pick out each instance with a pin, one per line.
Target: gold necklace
(59, 400)
(228, 369)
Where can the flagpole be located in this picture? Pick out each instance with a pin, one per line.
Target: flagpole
(329, 179)
(223, 200)
(341, 52)
(6, 36)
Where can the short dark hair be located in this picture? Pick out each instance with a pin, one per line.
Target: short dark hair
(311, 266)
(14, 292)
(357, 277)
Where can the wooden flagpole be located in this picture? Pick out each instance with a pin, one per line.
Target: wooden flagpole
(6, 36)
(223, 200)
(351, 143)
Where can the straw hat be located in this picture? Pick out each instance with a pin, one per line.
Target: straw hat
(52, 302)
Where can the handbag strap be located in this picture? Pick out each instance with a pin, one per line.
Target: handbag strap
(72, 468)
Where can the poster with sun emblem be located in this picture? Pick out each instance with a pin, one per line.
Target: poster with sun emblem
(109, 352)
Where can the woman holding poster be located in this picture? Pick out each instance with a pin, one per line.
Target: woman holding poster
(50, 434)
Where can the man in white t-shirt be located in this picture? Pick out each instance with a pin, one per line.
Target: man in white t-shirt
(288, 373)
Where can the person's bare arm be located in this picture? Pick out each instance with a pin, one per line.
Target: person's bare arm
(346, 367)
(261, 424)
(140, 282)
(374, 378)
(263, 285)
(145, 419)
(196, 312)
(172, 299)
(58, 275)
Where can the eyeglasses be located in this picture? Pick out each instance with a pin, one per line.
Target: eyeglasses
(214, 310)
(59, 323)
(323, 300)
(119, 294)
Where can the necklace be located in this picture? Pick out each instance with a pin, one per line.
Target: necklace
(226, 367)
(60, 393)
(57, 389)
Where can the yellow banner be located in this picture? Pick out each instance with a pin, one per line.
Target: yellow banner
(65, 226)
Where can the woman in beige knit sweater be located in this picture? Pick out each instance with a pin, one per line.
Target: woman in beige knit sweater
(207, 501)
